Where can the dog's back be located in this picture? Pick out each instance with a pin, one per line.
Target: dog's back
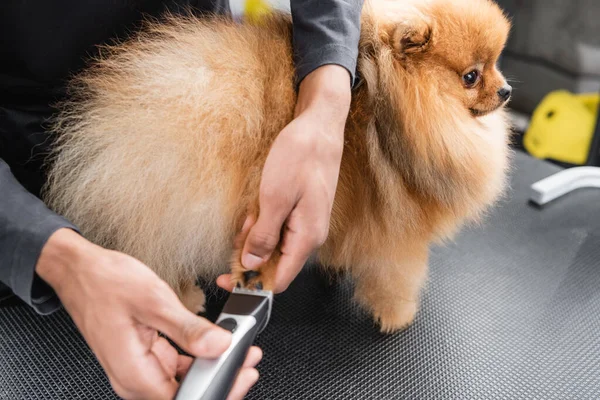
(163, 134)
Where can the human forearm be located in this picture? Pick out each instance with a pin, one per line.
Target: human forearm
(326, 89)
(25, 226)
(309, 149)
(63, 251)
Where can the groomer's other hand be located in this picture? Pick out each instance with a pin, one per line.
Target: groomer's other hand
(119, 304)
(300, 176)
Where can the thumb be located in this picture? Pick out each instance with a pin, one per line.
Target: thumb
(196, 335)
(264, 236)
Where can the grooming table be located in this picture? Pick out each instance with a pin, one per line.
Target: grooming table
(511, 311)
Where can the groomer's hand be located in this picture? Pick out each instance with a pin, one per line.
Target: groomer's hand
(300, 176)
(119, 304)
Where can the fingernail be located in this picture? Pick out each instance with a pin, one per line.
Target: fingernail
(216, 341)
(250, 261)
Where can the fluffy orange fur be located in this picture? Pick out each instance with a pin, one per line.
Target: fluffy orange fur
(161, 144)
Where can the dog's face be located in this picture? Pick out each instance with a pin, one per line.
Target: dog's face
(457, 43)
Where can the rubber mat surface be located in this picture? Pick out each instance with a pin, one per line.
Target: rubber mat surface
(512, 311)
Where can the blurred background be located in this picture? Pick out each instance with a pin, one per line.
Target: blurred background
(552, 60)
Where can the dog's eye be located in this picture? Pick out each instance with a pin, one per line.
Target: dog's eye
(471, 78)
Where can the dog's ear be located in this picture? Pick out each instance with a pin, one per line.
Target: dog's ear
(412, 37)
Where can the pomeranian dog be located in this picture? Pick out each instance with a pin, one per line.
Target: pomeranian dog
(161, 144)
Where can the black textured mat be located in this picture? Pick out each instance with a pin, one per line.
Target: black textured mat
(512, 311)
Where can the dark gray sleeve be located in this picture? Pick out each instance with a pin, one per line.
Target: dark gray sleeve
(325, 32)
(25, 226)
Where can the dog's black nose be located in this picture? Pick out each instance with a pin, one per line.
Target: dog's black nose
(504, 93)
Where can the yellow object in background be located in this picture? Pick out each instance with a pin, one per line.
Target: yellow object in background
(255, 9)
(562, 126)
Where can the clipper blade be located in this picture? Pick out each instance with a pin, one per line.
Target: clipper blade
(267, 294)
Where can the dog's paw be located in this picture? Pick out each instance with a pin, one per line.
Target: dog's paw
(262, 278)
(193, 299)
(249, 279)
(396, 317)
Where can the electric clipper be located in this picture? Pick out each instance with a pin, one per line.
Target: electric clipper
(245, 314)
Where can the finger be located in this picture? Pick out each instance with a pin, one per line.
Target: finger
(224, 281)
(295, 251)
(266, 232)
(194, 334)
(135, 371)
(166, 354)
(240, 238)
(183, 365)
(244, 382)
(254, 356)
(288, 268)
